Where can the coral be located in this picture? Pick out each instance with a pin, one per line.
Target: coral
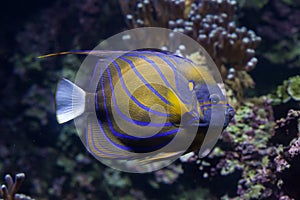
(29, 132)
(290, 89)
(293, 87)
(169, 174)
(294, 150)
(255, 150)
(278, 25)
(287, 135)
(257, 157)
(66, 25)
(244, 149)
(261, 154)
(114, 178)
(275, 20)
(9, 192)
(287, 128)
(288, 155)
(208, 22)
(236, 85)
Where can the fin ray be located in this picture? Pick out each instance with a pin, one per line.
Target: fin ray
(70, 101)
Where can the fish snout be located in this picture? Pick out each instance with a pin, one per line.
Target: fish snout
(229, 114)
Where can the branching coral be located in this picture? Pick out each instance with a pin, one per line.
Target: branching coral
(208, 22)
(9, 191)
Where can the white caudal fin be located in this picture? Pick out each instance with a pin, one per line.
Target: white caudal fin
(70, 101)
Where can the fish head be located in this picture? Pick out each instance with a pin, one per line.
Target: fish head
(212, 106)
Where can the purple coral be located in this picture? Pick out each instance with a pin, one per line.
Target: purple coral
(295, 148)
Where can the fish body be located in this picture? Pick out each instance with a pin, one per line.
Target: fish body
(144, 101)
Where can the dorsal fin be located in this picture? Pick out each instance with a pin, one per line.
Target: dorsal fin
(98, 53)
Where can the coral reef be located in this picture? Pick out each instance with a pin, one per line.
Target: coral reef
(208, 22)
(258, 152)
(244, 148)
(257, 156)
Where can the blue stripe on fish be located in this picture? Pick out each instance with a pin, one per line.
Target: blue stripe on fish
(154, 65)
(127, 148)
(98, 148)
(111, 141)
(141, 123)
(130, 148)
(132, 97)
(120, 135)
(180, 87)
(144, 81)
(191, 120)
(169, 63)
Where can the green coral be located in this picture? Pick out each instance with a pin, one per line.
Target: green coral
(244, 149)
(230, 167)
(293, 88)
(254, 192)
(290, 89)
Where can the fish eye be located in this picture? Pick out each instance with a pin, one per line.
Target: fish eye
(214, 98)
(191, 85)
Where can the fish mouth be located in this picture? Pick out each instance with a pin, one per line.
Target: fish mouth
(229, 114)
(200, 124)
(194, 122)
(206, 122)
